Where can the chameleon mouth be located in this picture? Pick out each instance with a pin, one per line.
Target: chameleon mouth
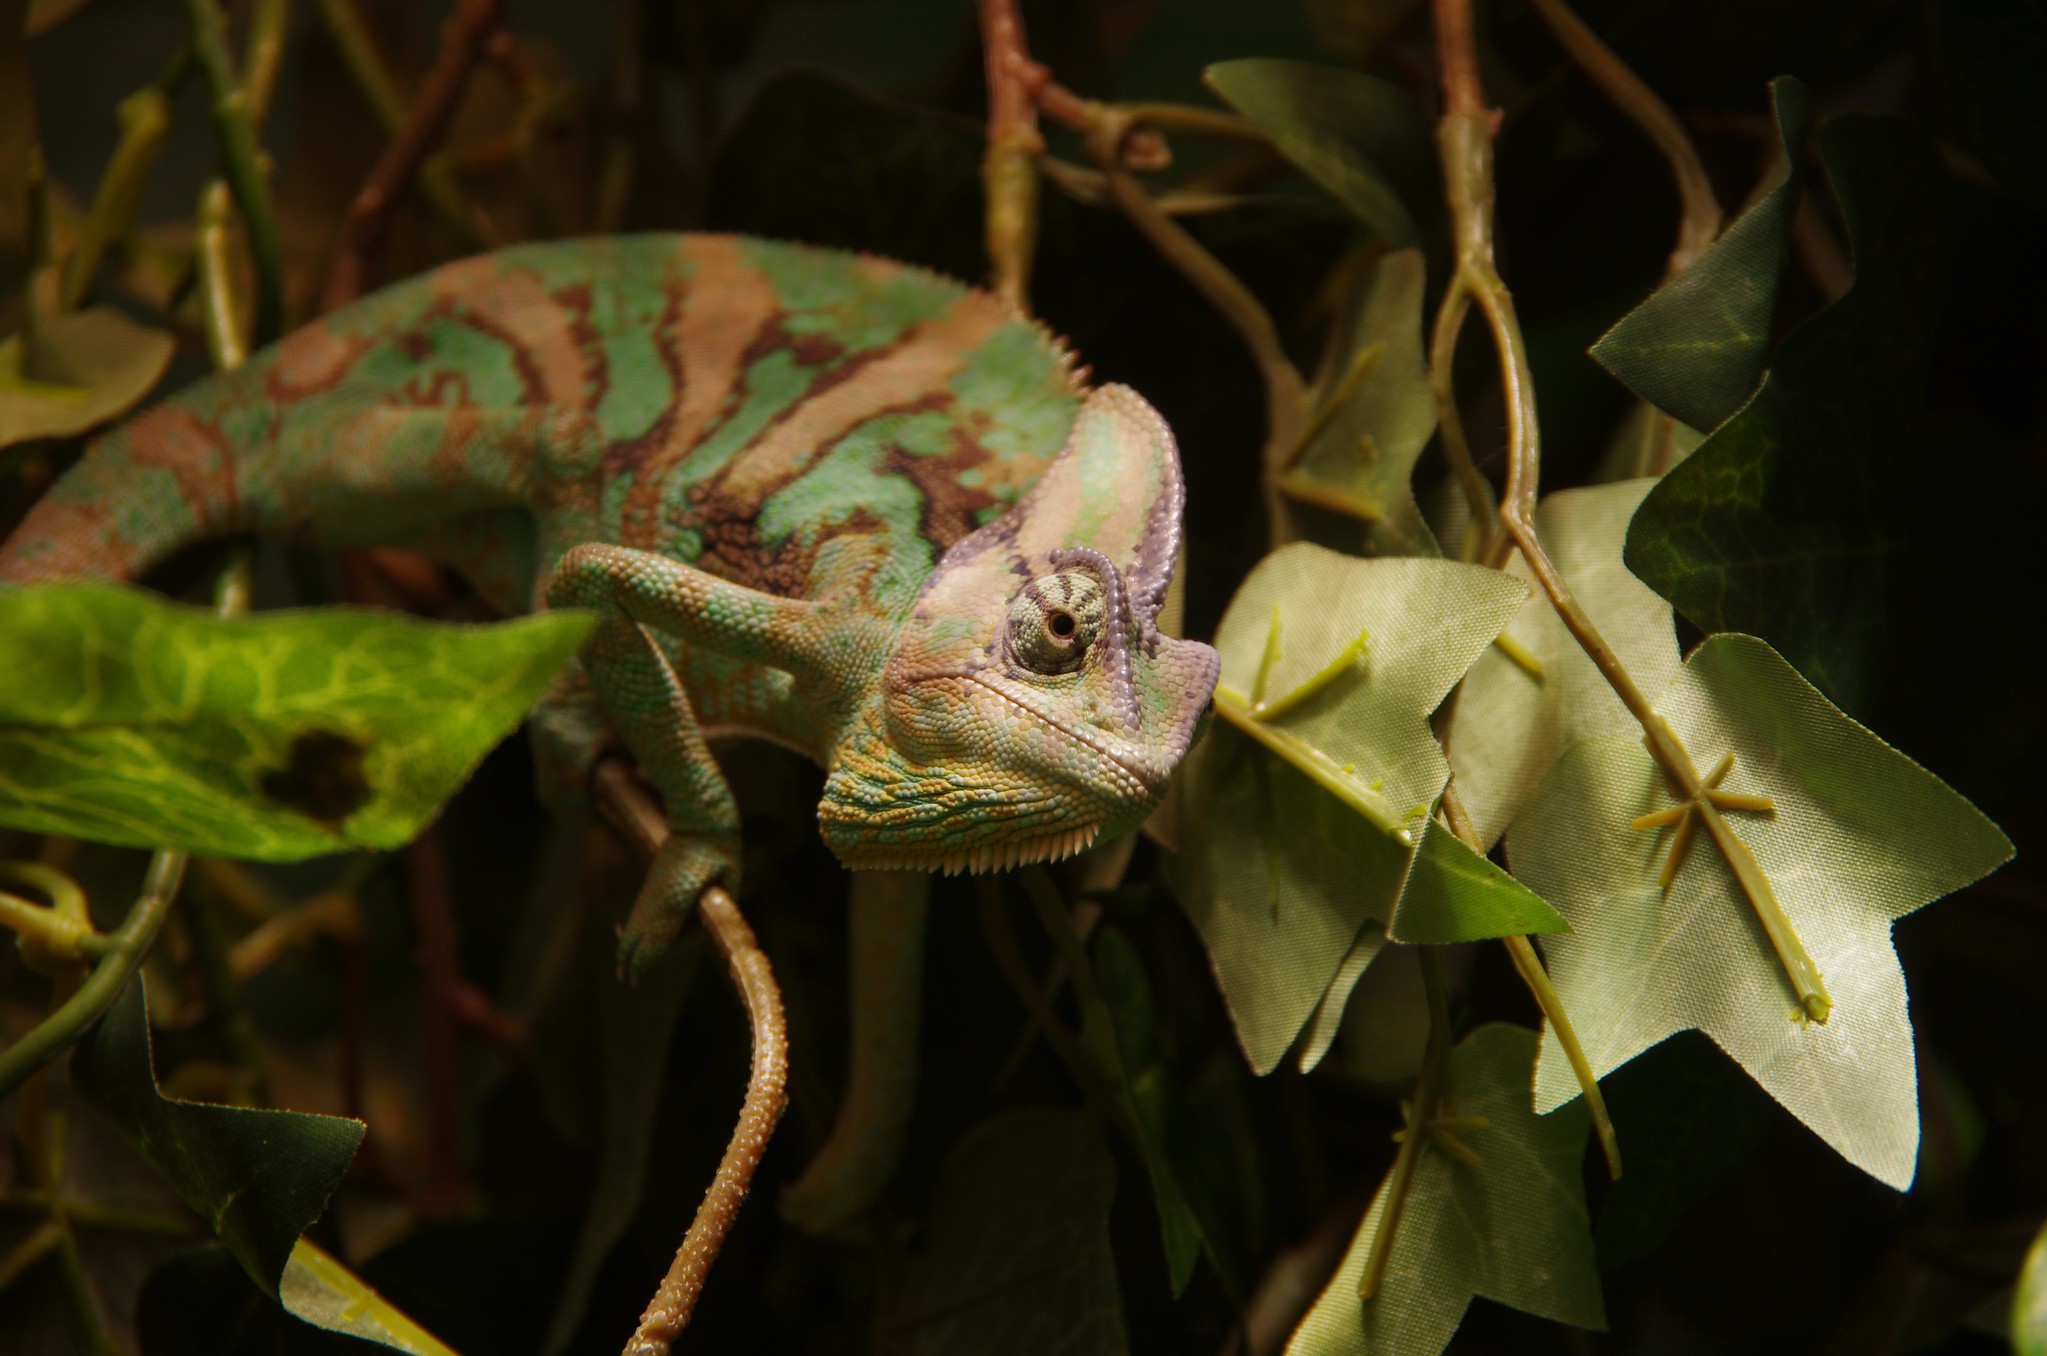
(979, 858)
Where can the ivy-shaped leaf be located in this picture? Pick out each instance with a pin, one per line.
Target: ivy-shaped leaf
(1355, 135)
(257, 1177)
(1510, 1228)
(1371, 414)
(1695, 348)
(1792, 519)
(1016, 1260)
(1512, 724)
(129, 719)
(1860, 836)
(1301, 812)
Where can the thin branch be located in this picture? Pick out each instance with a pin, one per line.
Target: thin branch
(433, 921)
(766, 1096)
(463, 39)
(145, 118)
(1008, 171)
(632, 806)
(234, 125)
(220, 312)
(374, 80)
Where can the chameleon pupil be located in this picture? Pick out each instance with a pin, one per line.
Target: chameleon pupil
(1062, 624)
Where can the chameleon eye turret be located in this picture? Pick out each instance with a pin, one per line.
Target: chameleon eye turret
(1054, 620)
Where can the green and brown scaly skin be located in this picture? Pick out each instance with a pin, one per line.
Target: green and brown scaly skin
(817, 498)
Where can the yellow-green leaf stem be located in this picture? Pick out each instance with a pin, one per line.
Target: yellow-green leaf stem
(1271, 708)
(1341, 782)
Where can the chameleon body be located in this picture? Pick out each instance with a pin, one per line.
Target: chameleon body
(819, 498)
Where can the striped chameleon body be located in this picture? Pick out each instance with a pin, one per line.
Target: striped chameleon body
(823, 499)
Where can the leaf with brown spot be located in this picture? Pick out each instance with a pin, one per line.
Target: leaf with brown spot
(130, 719)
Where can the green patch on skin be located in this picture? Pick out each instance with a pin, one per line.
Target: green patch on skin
(1008, 378)
(821, 295)
(628, 319)
(848, 481)
(770, 386)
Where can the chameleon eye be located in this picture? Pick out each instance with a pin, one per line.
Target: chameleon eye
(1054, 619)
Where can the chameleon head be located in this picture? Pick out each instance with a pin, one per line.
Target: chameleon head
(1030, 704)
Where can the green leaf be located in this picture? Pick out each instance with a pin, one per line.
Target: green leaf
(1372, 413)
(1510, 725)
(326, 1294)
(1455, 895)
(1295, 840)
(1695, 348)
(1327, 1019)
(257, 1177)
(2029, 1302)
(1355, 135)
(129, 719)
(1861, 836)
(1792, 519)
(1016, 1259)
(84, 369)
(1513, 1229)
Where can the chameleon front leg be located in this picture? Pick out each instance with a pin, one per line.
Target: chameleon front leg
(888, 910)
(634, 591)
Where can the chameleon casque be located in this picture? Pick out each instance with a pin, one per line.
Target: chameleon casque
(818, 498)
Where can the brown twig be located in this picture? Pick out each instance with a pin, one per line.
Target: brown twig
(1009, 170)
(463, 39)
(629, 803)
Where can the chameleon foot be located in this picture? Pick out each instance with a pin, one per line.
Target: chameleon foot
(683, 868)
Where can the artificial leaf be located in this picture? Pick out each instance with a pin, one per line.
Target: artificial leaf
(1695, 348)
(1511, 725)
(1327, 1019)
(1292, 853)
(1344, 130)
(1511, 1228)
(1015, 1259)
(130, 719)
(1372, 413)
(2029, 1302)
(1790, 521)
(82, 370)
(258, 1177)
(1860, 836)
(1453, 894)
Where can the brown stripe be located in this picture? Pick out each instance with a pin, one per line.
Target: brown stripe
(725, 304)
(917, 366)
(517, 310)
